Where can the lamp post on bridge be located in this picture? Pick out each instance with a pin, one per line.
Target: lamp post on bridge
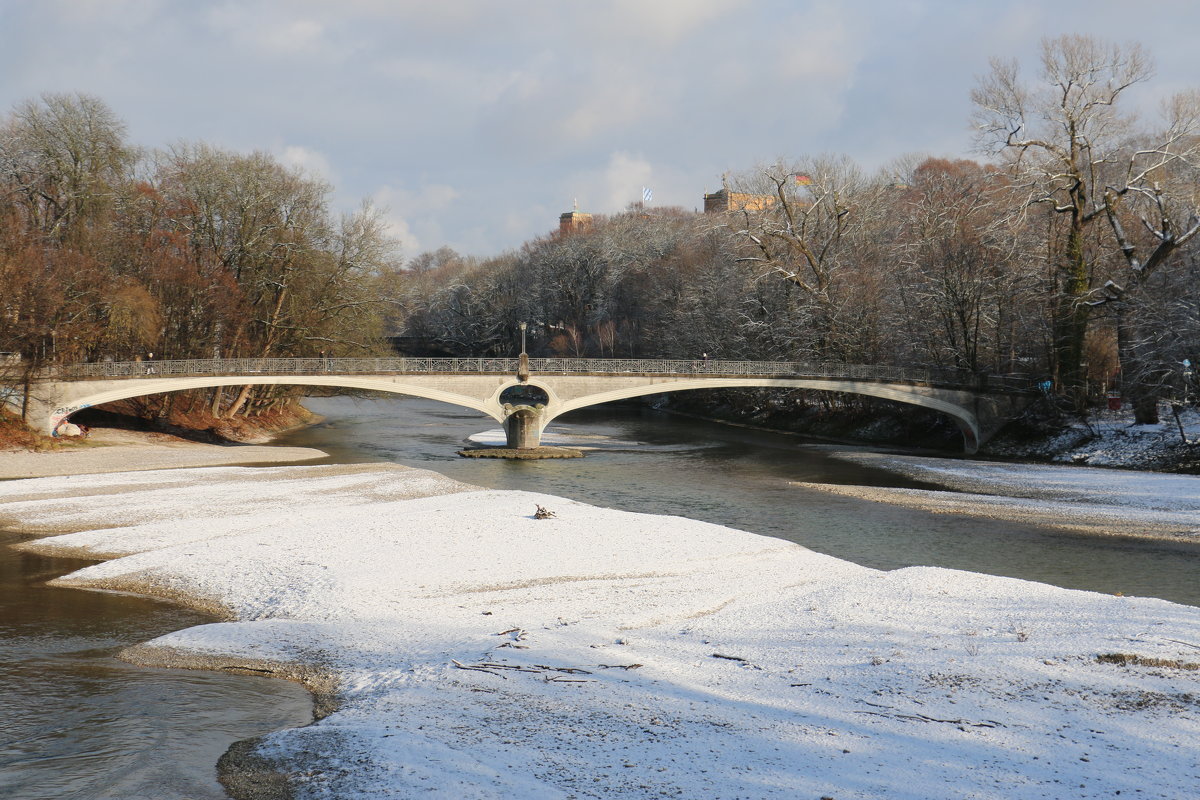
(523, 361)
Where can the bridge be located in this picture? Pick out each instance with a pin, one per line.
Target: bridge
(525, 394)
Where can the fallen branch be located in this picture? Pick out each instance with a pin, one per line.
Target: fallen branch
(569, 670)
(476, 669)
(619, 666)
(1185, 644)
(739, 659)
(520, 632)
(923, 718)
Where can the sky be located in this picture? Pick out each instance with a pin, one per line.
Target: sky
(474, 123)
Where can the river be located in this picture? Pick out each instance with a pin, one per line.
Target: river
(661, 463)
(81, 724)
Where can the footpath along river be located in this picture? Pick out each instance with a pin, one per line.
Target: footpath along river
(80, 724)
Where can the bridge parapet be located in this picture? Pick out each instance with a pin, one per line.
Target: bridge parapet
(963, 379)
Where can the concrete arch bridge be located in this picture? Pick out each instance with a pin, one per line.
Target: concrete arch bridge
(524, 394)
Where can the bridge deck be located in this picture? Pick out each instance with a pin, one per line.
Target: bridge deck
(960, 379)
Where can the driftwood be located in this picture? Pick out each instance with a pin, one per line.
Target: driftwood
(915, 717)
(498, 668)
(738, 659)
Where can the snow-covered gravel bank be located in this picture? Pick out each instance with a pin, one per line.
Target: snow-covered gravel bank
(479, 652)
(112, 450)
(1105, 502)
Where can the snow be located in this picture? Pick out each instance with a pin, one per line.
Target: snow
(479, 652)
(1111, 439)
(1125, 502)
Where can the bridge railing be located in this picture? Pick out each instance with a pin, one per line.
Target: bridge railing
(552, 366)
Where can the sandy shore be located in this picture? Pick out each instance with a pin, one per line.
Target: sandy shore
(112, 450)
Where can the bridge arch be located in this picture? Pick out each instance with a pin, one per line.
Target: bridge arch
(964, 418)
(112, 391)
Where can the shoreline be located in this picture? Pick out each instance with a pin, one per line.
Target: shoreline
(112, 450)
(452, 636)
(1089, 521)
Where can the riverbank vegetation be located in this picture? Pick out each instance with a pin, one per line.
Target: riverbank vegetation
(109, 252)
(1069, 254)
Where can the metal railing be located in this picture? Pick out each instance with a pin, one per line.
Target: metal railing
(543, 366)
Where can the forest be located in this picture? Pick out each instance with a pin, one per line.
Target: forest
(1067, 252)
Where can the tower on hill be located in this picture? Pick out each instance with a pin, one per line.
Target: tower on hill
(574, 221)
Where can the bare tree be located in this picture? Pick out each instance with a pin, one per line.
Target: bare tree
(63, 158)
(1063, 137)
(801, 228)
(1152, 213)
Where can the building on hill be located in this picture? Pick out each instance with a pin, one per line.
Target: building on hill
(574, 221)
(726, 200)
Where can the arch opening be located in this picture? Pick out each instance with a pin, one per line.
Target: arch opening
(962, 417)
(524, 394)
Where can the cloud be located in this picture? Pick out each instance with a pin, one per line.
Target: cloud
(658, 24)
(429, 197)
(266, 29)
(307, 161)
(610, 188)
(624, 179)
(415, 216)
(478, 122)
(398, 228)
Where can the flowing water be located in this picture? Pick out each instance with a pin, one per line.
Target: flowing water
(78, 723)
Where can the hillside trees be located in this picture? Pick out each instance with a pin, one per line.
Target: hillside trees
(820, 215)
(63, 159)
(966, 297)
(62, 162)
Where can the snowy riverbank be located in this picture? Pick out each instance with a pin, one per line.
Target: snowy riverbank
(1095, 501)
(475, 651)
(1111, 439)
(118, 450)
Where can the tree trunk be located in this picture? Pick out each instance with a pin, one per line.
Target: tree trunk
(1071, 319)
(1142, 395)
(240, 401)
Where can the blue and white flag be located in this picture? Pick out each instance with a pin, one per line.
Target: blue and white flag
(647, 195)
